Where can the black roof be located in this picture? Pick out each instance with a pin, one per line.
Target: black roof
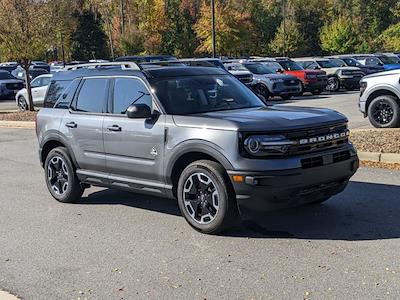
(150, 73)
(146, 58)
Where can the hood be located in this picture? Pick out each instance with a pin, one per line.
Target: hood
(276, 76)
(385, 73)
(271, 118)
(10, 81)
(391, 66)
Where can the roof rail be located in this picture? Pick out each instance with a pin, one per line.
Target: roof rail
(125, 65)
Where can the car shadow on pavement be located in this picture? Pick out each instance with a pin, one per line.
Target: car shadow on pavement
(364, 211)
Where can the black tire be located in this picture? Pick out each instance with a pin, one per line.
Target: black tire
(262, 90)
(62, 177)
(194, 196)
(333, 84)
(22, 104)
(286, 97)
(384, 112)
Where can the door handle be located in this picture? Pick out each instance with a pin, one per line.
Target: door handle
(71, 125)
(114, 128)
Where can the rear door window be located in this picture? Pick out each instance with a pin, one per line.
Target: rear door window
(92, 95)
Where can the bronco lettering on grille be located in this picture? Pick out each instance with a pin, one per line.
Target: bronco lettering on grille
(324, 138)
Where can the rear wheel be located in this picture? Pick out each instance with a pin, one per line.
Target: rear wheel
(60, 176)
(22, 103)
(384, 112)
(333, 84)
(206, 198)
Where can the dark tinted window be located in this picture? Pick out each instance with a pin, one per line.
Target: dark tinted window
(67, 95)
(6, 75)
(55, 90)
(259, 69)
(92, 95)
(290, 66)
(129, 91)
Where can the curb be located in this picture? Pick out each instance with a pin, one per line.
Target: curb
(7, 296)
(390, 158)
(17, 124)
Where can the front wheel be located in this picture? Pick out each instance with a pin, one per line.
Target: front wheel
(60, 176)
(333, 84)
(206, 198)
(262, 90)
(22, 104)
(384, 112)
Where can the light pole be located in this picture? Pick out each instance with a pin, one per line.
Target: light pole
(213, 27)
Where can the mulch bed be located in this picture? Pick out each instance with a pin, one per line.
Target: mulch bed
(376, 140)
(18, 116)
(380, 165)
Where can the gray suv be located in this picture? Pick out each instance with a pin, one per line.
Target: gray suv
(191, 133)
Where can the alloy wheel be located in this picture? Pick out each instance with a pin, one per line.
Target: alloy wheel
(201, 198)
(332, 85)
(57, 175)
(383, 113)
(23, 106)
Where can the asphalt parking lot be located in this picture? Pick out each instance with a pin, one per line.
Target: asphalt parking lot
(117, 245)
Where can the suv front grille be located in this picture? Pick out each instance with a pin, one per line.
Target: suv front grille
(318, 161)
(291, 82)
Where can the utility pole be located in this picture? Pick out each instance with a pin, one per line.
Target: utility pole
(284, 27)
(213, 27)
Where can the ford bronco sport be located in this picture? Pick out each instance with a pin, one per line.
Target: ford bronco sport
(192, 133)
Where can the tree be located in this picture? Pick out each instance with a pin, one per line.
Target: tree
(339, 36)
(289, 41)
(390, 38)
(23, 34)
(89, 40)
(233, 28)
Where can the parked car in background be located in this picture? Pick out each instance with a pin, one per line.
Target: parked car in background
(56, 66)
(19, 72)
(348, 61)
(267, 82)
(146, 58)
(241, 73)
(338, 77)
(388, 63)
(40, 64)
(9, 85)
(380, 99)
(39, 88)
(203, 62)
(8, 66)
(313, 81)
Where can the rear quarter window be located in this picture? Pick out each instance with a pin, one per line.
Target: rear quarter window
(55, 90)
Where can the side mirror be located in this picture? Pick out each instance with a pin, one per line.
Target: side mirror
(138, 111)
(316, 68)
(279, 71)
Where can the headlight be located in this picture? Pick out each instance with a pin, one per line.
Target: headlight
(311, 76)
(264, 145)
(363, 87)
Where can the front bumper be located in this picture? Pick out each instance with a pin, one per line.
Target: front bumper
(315, 85)
(350, 81)
(271, 190)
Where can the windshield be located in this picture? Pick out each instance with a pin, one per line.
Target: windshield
(388, 59)
(290, 66)
(351, 62)
(6, 75)
(259, 69)
(200, 94)
(338, 62)
(326, 64)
